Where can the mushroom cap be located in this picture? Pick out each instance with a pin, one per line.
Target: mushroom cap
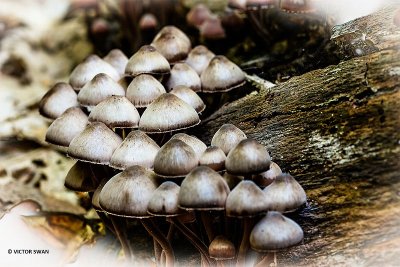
(189, 96)
(266, 178)
(221, 75)
(199, 58)
(168, 113)
(148, 22)
(247, 157)
(198, 14)
(90, 67)
(175, 159)
(143, 90)
(95, 144)
(227, 137)
(117, 59)
(246, 200)
(214, 158)
(164, 201)
(136, 149)
(95, 197)
(172, 43)
(147, 60)
(98, 89)
(274, 232)
(203, 189)
(183, 74)
(221, 248)
(195, 143)
(62, 130)
(116, 112)
(285, 194)
(57, 100)
(212, 28)
(128, 193)
(80, 178)
(232, 180)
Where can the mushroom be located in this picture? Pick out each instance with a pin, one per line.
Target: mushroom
(143, 90)
(183, 74)
(197, 14)
(117, 59)
(147, 60)
(266, 178)
(214, 158)
(196, 144)
(190, 97)
(222, 249)
(81, 178)
(227, 137)
(211, 28)
(199, 58)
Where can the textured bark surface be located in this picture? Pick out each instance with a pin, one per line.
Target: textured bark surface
(337, 131)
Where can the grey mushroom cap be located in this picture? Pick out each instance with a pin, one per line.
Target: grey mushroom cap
(57, 100)
(80, 178)
(90, 67)
(199, 58)
(147, 60)
(247, 157)
(195, 143)
(246, 200)
(143, 90)
(274, 232)
(116, 112)
(62, 130)
(164, 201)
(168, 113)
(221, 75)
(96, 194)
(190, 97)
(221, 248)
(266, 178)
(214, 158)
(95, 144)
(136, 149)
(227, 137)
(285, 194)
(98, 89)
(128, 193)
(183, 74)
(117, 59)
(175, 159)
(203, 189)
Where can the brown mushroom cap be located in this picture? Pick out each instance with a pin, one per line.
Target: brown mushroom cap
(168, 113)
(164, 201)
(147, 60)
(117, 59)
(212, 28)
(190, 97)
(95, 144)
(80, 178)
(214, 158)
(143, 90)
(66, 127)
(247, 157)
(57, 100)
(195, 143)
(266, 178)
(98, 89)
(232, 180)
(136, 149)
(221, 75)
(285, 194)
(183, 74)
(128, 193)
(175, 159)
(221, 248)
(90, 67)
(203, 189)
(197, 14)
(227, 137)
(199, 58)
(116, 112)
(275, 232)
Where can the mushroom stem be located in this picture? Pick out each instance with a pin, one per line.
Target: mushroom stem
(157, 251)
(120, 231)
(244, 245)
(107, 222)
(207, 222)
(265, 261)
(153, 230)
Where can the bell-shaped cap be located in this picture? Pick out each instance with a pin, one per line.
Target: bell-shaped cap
(143, 90)
(57, 100)
(266, 178)
(95, 144)
(116, 112)
(136, 149)
(274, 232)
(90, 67)
(203, 189)
(195, 143)
(227, 137)
(98, 89)
(118, 60)
(128, 193)
(66, 127)
(212, 28)
(285, 194)
(199, 58)
(168, 113)
(214, 158)
(175, 159)
(246, 200)
(148, 22)
(80, 178)
(247, 157)
(164, 201)
(172, 43)
(198, 14)
(147, 60)
(190, 97)
(221, 75)
(183, 74)
(221, 248)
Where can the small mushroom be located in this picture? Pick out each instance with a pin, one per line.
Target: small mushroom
(147, 60)
(143, 90)
(183, 74)
(222, 249)
(199, 58)
(266, 178)
(198, 14)
(227, 137)
(164, 201)
(211, 28)
(117, 59)
(214, 158)
(195, 143)
(189, 96)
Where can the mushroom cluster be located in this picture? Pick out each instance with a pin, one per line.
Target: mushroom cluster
(123, 121)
